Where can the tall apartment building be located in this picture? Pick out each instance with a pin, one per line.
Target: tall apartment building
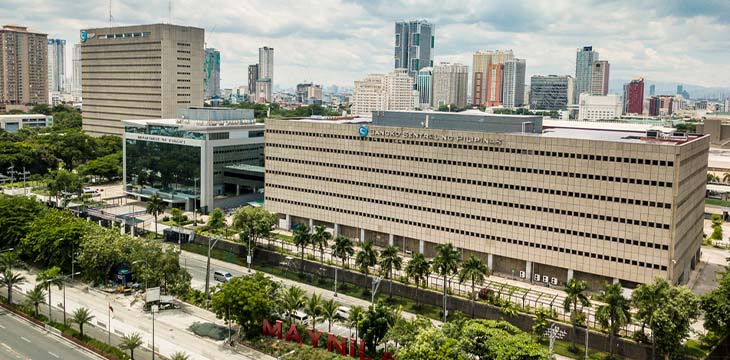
(76, 73)
(450, 82)
(652, 90)
(139, 72)
(726, 105)
(551, 92)
(634, 97)
(661, 105)
(393, 91)
(23, 66)
(494, 85)
(253, 75)
(212, 73)
(414, 45)
(482, 62)
(600, 77)
(265, 81)
(309, 93)
(56, 65)
(424, 85)
(584, 59)
(513, 83)
(596, 107)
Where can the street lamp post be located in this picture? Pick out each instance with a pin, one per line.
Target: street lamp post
(154, 310)
(207, 266)
(376, 285)
(64, 278)
(249, 258)
(335, 295)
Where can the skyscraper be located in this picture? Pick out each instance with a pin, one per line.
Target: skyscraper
(450, 82)
(482, 62)
(139, 72)
(265, 81)
(551, 92)
(584, 59)
(634, 97)
(23, 66)
(414, 42)
(513, 83)
(393, 91)
(56, 65)
(424, 85)
(212, 73)
(253, 75)
(599, 76)
(727, 105)
(76, 74)
(652, 90)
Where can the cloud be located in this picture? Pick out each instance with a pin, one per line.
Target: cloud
(338, 41)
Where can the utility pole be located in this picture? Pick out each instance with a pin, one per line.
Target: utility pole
(154, 310)
(207, 267)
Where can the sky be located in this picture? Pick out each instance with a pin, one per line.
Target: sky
(335, 42)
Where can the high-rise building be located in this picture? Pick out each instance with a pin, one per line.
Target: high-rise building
(309, 93)
(303, 91)
(265, 80)
(551, 92)
(23, 66)
(727, 105)
(56, 65)
(139, 72)
(253, 75)
(661, 105)
(482, 62)
(652, 90)
(212, 73)
(584, 59)
(450, 82)
(598, 107)
(600, 76)
(393, 91)
(424, 85)
(76, 75)
(680, 89)
(513, 83)
(494, 85)
(414, 41)
(634, 97)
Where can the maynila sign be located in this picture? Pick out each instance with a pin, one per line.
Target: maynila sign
(334, 344)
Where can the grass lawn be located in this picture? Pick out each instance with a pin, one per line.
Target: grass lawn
(561, 348)
(717, 202)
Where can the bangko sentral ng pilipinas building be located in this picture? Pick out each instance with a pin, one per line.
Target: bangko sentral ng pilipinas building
(538, 203)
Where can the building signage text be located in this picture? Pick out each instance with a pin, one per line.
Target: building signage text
(162, 139)
(404, 134)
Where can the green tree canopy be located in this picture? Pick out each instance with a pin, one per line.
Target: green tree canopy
(248, 298)
(255, 222)
(53, 237)
(16, 215)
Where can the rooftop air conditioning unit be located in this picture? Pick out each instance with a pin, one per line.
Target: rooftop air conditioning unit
(545, 279)
(522, 274)
(409, 252)
(537, 277)
(554, 281)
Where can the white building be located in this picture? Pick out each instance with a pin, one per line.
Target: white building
(265, 82)
(595, 107)
(56, 65)
(13, 123)
(450, 83)
(76, 75)
(513, 83)
(392, 91)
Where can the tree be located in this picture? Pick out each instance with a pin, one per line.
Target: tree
(108, 167)
(155, 207)
(176, 215)
(63, 182)
(375, 324)
(615, 312)
(10, 279)
(16, 215)
(354, 317)
(9, 260)
(403, 332)
(313, 308)
(41, 109)
(293, 299)
(716, 306)
(82, 316)
(445, 263)
(475, 271)
(246, 300)
(216, 220)
(418, 269)
(256, 222)
(489, 339)
(541, 323)
(646, 297)
(180, 356)
(320, 239)
(575, 294)
(712, 178)
(35, 297)
(131, 342)
(366, 258)
(301, 240)
(389, 261)
(342, 249)
(329, 312)
(50, 277)
(53, 237)
(726, 177)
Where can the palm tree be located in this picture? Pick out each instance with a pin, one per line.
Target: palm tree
(82, 316)
(726, 177)
(320, 239)
(474, 270)
(155, 207)
(366, 258)
(575, 293)
(419, 269)
(445, 263)
(8, 260)
(302, 238)
(35, 297)
(712, 178)
(614, 313)
(342, 249)
(355, 316)
(50, 277)
(313, 308)
(180, 356)
(11, 279)
(389, 261)
(329, 312)
(293, 299)
(131, 342)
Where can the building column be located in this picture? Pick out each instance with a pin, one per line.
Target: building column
(528, 270)
(311, 224)
(238, 190)
(490, 261)
(121, 228)
(615, 280)
(337, 230)
(421, 246)
(100, 223)
(570, 274)
(390, 239)
(287, 222)
(362, 235)
(131, 230)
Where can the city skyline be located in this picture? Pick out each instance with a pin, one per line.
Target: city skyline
(546, 35)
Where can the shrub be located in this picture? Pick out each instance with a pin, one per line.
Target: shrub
(165, 218)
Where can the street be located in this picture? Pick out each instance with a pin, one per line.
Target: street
(20, 340)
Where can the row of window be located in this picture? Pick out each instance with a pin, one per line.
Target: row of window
(88, 46)
(125, 65)
(183, 80)
(183, 87)
(183, 73)
(183, 44)
(540, 190)
(186, 59)
(474, 234)
(125, 79)
(183, 95)
(123, 100)
(124, 86)
(478, 165)
(483, 148)
(122, 72)
(478, 200)
(125, 35)
(120, 51)
(183, 66)
(183, 52)
(124, 58)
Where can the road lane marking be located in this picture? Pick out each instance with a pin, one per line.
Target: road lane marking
(54, 355)
(2, 327)
(6, 346)
(26, 340)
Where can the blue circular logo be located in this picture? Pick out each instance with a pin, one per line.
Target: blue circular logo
(84, 36)
(363, 131)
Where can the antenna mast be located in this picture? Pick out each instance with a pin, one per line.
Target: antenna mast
(110, 13)
(169, 11)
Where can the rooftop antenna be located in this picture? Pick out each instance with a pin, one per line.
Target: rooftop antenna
(169, 11)
(110, 13)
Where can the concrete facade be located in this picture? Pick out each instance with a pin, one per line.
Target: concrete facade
(139, 72)
(450, 83)
(392, 91)
(414, 43)
(56, 65)
(602, 205)
(23, 66)
(596, 107)
(481, 65)
(513, 83)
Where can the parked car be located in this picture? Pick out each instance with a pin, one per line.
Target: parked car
(222, 276)
(485, 293)
(344, 312)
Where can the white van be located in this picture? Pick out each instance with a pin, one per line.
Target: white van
(222, 276)
(301, 317)
(344, 312)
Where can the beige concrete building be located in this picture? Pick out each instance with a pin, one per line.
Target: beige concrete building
(450, 82)
(482, 66)
(541, 204)
(139, 72)
(23, 66)
(392, 91)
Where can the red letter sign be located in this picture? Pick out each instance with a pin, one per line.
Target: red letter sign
(268, 330)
